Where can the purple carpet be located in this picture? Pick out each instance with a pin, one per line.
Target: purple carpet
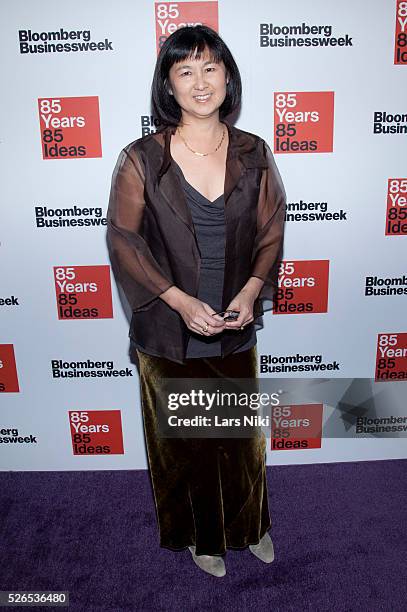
(339, 533)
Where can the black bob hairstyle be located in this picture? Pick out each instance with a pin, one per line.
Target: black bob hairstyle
(186, 42)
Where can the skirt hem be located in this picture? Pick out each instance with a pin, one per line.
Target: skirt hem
(218, 554)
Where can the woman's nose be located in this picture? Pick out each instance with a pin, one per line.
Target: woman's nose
(200, 82)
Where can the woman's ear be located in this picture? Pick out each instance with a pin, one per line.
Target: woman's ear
(168, 87)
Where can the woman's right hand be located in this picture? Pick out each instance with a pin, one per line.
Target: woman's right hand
(196, 313)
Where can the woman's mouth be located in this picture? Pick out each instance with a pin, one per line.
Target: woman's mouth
(202, 98)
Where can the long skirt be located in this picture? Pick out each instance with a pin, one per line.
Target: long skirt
(208, 492)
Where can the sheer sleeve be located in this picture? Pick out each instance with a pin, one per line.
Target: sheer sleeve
(268, 245)
(133, 264)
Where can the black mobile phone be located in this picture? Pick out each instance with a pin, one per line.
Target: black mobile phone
(232, 315)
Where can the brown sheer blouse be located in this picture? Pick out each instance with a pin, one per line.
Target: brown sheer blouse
(153, 246)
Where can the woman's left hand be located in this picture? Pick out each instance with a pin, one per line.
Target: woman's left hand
(243, 302)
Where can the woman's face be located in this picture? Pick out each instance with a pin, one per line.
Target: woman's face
(199, 86)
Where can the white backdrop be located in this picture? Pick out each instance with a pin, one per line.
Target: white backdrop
(114, 79)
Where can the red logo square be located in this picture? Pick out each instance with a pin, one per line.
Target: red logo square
(303, 122)
(70, 127)
(83, 292)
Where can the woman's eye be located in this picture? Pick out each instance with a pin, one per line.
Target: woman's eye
(187, 72)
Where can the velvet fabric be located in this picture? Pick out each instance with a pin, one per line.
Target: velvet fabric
(208, 492)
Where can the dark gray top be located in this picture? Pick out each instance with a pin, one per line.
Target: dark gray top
(209, 222)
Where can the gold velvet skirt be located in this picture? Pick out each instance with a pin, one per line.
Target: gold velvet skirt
(208, 492)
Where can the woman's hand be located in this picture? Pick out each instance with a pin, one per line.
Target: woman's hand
(243, 302)
(197, 314)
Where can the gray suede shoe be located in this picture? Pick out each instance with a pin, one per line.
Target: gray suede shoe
(210, 564)
(264, 550)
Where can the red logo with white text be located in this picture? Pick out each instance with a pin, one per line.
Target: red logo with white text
(400, 37)
(8, 370)
(96, 432)
(391, 357)
(70, 127)
(83, 292)
(302, 287)
(170, 16)
(396, 213)
(296, 427)
(303, 122)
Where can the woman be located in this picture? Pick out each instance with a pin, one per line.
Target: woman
(195, 235)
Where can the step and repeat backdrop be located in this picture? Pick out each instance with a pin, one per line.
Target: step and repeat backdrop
(324, 83)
